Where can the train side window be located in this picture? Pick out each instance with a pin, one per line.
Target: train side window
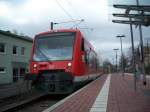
(82, 45)
(86, 58)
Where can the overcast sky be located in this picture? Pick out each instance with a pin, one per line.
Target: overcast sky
(33, 16)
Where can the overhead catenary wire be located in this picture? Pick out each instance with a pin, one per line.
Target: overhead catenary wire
(69, 15)
(71, 6)
(65, 11)
(69, 3)
(77, 24)
(73, 9)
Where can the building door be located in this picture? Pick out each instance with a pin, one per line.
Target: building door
(15, 74)
(22, 72)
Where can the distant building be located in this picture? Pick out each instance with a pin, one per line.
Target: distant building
(14, 56)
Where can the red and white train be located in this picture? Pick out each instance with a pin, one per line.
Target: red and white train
(61, 60)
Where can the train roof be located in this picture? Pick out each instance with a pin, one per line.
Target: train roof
(59, 30)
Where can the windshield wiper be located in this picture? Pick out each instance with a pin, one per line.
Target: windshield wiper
(43, 54)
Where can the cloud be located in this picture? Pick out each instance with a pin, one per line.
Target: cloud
(5, 10)
(34, 16)
(36, 11)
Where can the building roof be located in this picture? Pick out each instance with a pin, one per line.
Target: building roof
(8, 33)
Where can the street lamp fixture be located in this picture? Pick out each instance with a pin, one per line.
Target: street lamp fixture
(116, 49)
(122, 63)
(116, 57)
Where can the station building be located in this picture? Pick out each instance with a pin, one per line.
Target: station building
(14, 56)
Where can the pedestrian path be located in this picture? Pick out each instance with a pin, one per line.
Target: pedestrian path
(123, 97)
(109, 93)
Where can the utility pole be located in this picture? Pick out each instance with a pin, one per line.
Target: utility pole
(122, 57)
(148, 52)
(133, 54)
(142, 52)
(52, 23)
(116, 57)
(113, 64)
(139, 19)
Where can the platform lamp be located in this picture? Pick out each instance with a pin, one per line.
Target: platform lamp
(122, 58)
(142, 48)
(116, 56)
(148, 51)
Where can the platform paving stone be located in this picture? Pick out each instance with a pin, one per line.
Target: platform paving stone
(123, 97)
(83, 100)
(117, 96)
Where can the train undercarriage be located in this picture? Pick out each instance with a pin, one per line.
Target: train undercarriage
(54, 82)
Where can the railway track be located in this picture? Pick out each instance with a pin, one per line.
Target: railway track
(39, 104)
(19, 100)
(36, 103)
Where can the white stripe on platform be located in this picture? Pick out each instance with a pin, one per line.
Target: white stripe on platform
(100, 104)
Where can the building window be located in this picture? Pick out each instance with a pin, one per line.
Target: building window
(22, 50)
(82, 44)
(2, 70)
(14, 49)
(2, 48)
(15, 74)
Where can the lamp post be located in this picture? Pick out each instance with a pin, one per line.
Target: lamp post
(148, 52)
(52, 23)
(113, 65)
(133, 54)
(122, 63)
(116, 57)
(142, 52)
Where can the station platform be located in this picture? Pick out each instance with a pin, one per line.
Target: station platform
(109, 93)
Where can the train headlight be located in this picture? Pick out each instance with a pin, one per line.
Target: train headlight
(34, 66)
(68, 69)
(69, 64)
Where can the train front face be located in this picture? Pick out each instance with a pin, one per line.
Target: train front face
(51, 62)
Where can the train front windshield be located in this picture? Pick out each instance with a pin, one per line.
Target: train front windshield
(54, 46)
